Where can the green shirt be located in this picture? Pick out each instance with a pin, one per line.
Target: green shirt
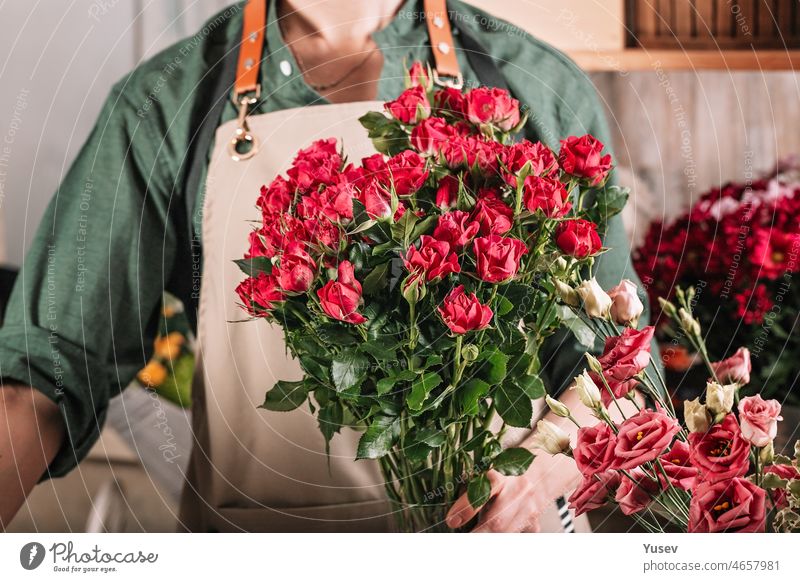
(83, 314)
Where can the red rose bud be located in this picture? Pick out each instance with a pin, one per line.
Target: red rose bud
(578, 238)
(624, 356)
(462, 313)
(340, 298)
(411, 106)
(414, 287)
(545, 194)
(418, 75)
(297, 269)
(492, 106)
(433, 257)
(734, 505)
(277, 197)
(643, 437)
(497, 258)
(320, 163)
(582, 157)
(260, 294)
(734, 370)
(450, 101)
(492, 214)
(721, 453)
(407, 172)
(430, 135)
(447, 192)
(539, 158)
(457, 228)
(376, 200)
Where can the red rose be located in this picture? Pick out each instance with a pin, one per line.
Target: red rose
(787, 472)
(545, 194)
(322, 233)
(594, 449)
(578, 238)
(319, 163)
(376, 200)
(734, 370)
(677, 466)
(418, 74)
(411, 106)
(538, 156)
(634, 495)
(430, 135)
(721, 453)
(594, 492)
(433, 257)
(447, 192)
(759, 419)
(449, 101)
(297, 269)
(279, 231)
(257, 247)
(643, 437)
(582, 157)
(734, 505)
(462, 313)
(407, 171)
(340, 298)
(491, 105)
(624, 356)
(259, 294)
(492, 214)
(277, 197)
(472, 152)
(457, 228)
(497, 258)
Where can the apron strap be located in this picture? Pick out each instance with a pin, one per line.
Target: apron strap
(446, 70)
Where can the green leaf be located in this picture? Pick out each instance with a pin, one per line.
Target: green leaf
(254, 266)
(772, 481)
(478, 491)
(513, 405)
(476, 441)
(582, 332)
(513, 462)
(376, 280)
(469, 395)
(348, 370)
(330, 420)
(421, 389)
(286, 396)
(335, 334)
(522, 298)
(403, 228)
(425, 225)
(493, 365)
(385, 385)
(417, 452)
(431, 436)
(379, 438)
(503, 306)
(314, 368)
(532, 386)
(379, 351)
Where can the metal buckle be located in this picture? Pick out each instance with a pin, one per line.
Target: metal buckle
(456, 82)
(243, 135)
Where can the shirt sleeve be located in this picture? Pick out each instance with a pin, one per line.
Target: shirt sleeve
(562, 356)
(84, 310)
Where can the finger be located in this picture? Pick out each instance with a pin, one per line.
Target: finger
(500, 515)
(462, 510)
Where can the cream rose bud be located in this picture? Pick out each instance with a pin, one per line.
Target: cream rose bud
(558, 408)
(596, 302)
(626, 307)
(550, 438)
(566, 293)
(719, 397)
(696, 416)
(588, 392)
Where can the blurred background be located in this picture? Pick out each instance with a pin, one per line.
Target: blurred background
(699, 93)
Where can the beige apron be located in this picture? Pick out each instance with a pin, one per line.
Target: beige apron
(252, 469)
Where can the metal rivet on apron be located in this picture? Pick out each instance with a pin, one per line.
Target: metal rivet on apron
(443, 47)
(438, 22)
(286, 68)
(248, 64)
(253, 37)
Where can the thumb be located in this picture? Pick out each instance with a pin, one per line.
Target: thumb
(462, 511)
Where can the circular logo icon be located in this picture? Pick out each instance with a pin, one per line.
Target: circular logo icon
(31, 555)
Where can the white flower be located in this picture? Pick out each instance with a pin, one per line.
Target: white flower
(566, 293)
(587, 390)
(626, 307)
(550, 438)
(596, 302)
(558, 408)
(696, 416)
(719, 397)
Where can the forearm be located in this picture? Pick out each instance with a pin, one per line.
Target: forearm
(557, 474)
(31, 433)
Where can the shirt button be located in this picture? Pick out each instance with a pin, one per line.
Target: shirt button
(286, 68)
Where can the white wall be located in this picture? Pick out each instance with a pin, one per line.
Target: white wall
(58, 59)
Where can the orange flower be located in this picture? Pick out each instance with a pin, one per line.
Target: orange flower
(153, 374)
(169, 347)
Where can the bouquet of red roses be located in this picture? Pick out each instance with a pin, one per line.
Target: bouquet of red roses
(745, 275)
(416, 288)
(718, 473)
